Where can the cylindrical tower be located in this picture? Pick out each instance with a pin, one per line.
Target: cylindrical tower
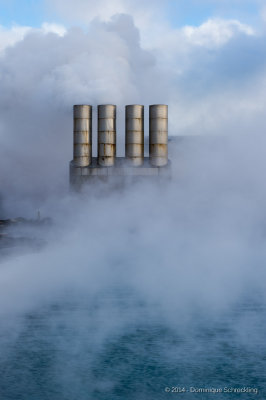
(135, 134)
(106, 135)
(82, 129)
(158, 135)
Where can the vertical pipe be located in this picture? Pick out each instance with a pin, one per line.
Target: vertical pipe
(106, 135)
(135, 134)
(158, 135)
(82, 129)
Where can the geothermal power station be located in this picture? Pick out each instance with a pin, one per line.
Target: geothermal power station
(106, 166)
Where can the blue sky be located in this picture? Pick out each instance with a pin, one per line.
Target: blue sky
(179, 12)
(194, 12)
(25, 12)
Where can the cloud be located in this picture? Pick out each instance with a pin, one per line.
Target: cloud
(84, 11)
(44, 75)
(215, 32)
(263, 14)
(60, 30)
(10, 36)
(204, 73)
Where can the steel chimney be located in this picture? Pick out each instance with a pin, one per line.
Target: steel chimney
(82, 133)
(158, 135)
(106, 135)
(134, 143)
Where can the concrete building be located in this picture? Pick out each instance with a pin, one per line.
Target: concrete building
(84, 168)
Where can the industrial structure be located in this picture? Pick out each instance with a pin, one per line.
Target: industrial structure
(106, 166)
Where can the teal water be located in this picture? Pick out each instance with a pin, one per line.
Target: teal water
(120, 348)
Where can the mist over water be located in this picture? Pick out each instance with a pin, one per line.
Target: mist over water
(154, 285)
(147, 287)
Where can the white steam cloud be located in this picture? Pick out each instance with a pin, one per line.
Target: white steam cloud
(47, 70)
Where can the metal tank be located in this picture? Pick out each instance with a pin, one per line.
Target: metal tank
(158, 135)
(82, 132)
(134, 144)
(106, 135)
